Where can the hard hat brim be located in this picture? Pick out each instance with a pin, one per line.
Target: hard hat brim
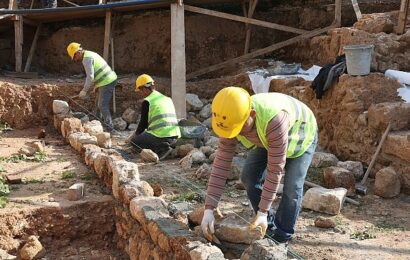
(229, 133)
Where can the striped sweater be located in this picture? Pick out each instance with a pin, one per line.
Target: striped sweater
(277, 136)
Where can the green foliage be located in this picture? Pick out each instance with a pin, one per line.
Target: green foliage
(39, 157)
(32, 180)
(4, 191)
(363, 234)
(69, 174)
(5, 127)
(189, 196)
(16, 158)
(3, 201)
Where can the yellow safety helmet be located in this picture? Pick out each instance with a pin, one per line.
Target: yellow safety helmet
(231, 108)
(143, 80)
(72, 48)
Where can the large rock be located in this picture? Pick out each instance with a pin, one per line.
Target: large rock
(123, 172)
(321, 160)
(119, 124)
(355, 167)
(132, 127)
(147, 155)
(32, 249)
(104, 140)
(193, 103)
(265, 249)
(183, 150)
(58, 120)
(195, 217)
(203, 172)
(335, 177)
(5, 256)
(90, 152)
(206, 111)
(396, 113)
(207, 150)
(71, 125)
(198, 157)
(201, 251)
(324, 200)
(236, 230)
(145, 209)
(130, 116)
(323, 222)
(93, 127)
(387, 184)
(376, 23)
(398, 144)
(60, 107)
(130, 191)
(77, 140)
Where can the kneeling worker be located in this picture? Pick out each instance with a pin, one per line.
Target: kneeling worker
(158, 128)
(99, 74)
(281, 132)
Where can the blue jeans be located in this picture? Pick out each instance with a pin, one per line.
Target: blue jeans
(104, 99)
(280, 225)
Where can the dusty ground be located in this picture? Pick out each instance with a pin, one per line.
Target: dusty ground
(43, 193)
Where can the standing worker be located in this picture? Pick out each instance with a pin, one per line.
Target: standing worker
(158, 128)
(99, 74)
(281, 132)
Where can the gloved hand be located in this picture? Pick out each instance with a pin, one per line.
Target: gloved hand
(83, 94)
(261, 221)
(207, 224)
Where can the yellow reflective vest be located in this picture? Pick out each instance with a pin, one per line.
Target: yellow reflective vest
(302, 128)
(103, 74)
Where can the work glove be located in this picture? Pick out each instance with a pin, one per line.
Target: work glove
(207, 224)
(83, 94)
(261, 221)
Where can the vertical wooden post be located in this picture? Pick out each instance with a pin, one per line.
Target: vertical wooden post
(404, 7)
(18, 42)
(178, 69)
(32, 49)
(251, 10)
(338, 13)
(107, 35)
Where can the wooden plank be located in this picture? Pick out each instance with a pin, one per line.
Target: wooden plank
(258, 52)
(12, 4)
(32, 4)
(107, 35)
(32, 49)
(338, 13)
(252, 7)
(18, 43)
(178, 65)
(404, 8)
(244, 19)
(356, 9)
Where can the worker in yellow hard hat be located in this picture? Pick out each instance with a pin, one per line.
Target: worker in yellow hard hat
(99, 74)
(281, 133)
(158, 128)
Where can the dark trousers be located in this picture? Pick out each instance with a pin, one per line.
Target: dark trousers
(148, 141)
(105, 94)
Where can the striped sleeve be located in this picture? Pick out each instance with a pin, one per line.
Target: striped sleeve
(277, 136)
(220, 170)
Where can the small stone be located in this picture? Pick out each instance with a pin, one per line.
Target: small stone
(239, 185)
(71, 125)
(245, 203)
(158, 191)
(130, 116)
(132, 127)
(321, 160)
(232, 229)
(32, 249)
(198, 157)
(265, 249)
(207, 150)
(119, 124)
(147, 155)
(208, 123)
(60, 107)
(104, 140)
(323, 222)
(76, 191)
(41, 134)
(186, 162)
(196, 216)
(212, 157)
(387, 184)
(93, 127)
(335, 177)
(193, 103)
(204, 171)
(183, 150)
(355, 167)
(206, 252)
(27, 150)
(206, 111)
(212, 142)
(14, 178)
(324, 200)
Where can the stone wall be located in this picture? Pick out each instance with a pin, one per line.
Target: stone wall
(144, 226)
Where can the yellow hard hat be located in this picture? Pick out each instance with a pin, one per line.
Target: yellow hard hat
(72, 48)
(142, 81)
(231, 108)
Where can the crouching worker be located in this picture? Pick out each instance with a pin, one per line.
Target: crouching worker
(158, 128)
(99, 75)
(281, 133)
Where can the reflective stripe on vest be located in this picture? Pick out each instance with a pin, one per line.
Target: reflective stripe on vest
(162, 119)
(302, 128)
(103, 74)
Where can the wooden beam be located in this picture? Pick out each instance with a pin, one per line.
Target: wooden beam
(18, 43)
(404, 8)
(356, 9)
(71, 3)
(32, 4)
(178, 65)
(252, 7)
(32, 49)
(107, 35)
(244, 19)
(338, 13)
(12, 4)
(259, 52)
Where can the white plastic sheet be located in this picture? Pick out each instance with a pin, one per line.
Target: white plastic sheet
(404, 78)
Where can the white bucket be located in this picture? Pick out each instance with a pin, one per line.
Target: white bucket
(358, 59)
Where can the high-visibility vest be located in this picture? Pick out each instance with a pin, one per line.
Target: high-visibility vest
(103, 74)
(162, 119)
(302, 128)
